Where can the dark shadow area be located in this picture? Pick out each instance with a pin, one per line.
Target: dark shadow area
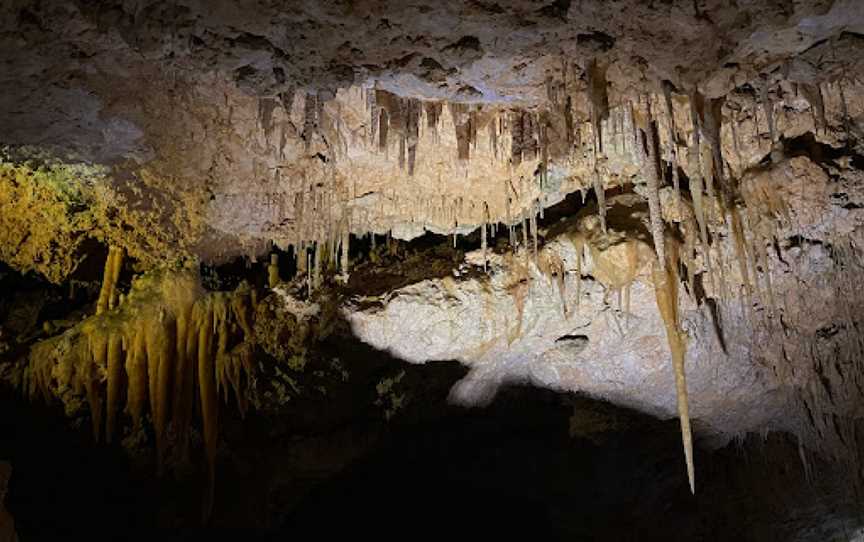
(63, 484)
(367, 446)
(535, 464)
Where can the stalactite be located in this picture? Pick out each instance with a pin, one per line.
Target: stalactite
(286, 100)
(412, 131)
(483, 242)
(433, 114)
(383, 129)
(463, 126)
(600, 192)
(705, 123)
(712, 125)
(136, 374)
(273, 271)
(115, 372)
(762, 258)
(673, 152)
(533, 219)
(706, 163)
(666, 291)
(516, 137)
(844, 110)
(813, 95)
(599, 111)
(768, 107)
(599, 100)
(492, 128)
(97, 357)
(166, 323)
(310, 119)
(107, 294)
(694, 166)
(649, 165)
(302, 260)
(740, 250)
(317, 272)
(665, 270)
(736, 145)
(690, 234)
(344, 260)
(310, 286)
(579, 245)
(184, 382)
(206, 324)
(266, 106)
(722, 283)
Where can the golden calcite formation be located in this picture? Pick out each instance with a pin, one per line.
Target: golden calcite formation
(167, 343)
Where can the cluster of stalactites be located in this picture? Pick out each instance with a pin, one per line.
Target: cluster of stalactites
(394, 116)
(166, 344)
(315, 259)
(516, 138)
(743, 214)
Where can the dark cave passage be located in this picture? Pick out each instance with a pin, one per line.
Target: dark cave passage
(511, 469)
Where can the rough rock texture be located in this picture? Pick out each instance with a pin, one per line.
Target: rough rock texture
(725, 135)
(234, 124)
(749, 367)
